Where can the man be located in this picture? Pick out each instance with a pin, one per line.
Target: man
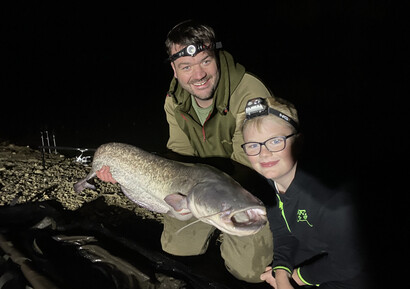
(207, 93)
(208, 90)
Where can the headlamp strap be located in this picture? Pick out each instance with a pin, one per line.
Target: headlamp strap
(194, 49)
(284, 117)
(257, 107)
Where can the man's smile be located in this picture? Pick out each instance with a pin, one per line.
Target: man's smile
(201, 83)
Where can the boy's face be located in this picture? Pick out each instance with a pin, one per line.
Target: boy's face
(199, 75)
(272, 165)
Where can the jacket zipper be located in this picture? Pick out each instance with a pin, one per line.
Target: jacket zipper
(203, 127)
(283, 211)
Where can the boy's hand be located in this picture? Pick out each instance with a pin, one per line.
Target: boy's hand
(268, 277)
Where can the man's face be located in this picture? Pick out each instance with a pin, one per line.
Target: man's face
(199, 75)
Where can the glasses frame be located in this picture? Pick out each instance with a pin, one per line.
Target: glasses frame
(264, 143)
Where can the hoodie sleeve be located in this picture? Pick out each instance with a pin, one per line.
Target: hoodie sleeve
(284, 243)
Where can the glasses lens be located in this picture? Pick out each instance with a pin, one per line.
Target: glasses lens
(276, 144)
(252, 149)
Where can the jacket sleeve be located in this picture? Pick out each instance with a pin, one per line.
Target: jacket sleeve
(250, 87)
(284, 243)
(178, 140)
(342, 259)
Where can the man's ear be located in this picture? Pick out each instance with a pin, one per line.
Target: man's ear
(174, 69)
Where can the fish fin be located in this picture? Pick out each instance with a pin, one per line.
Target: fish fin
(180, 205)
(177, 201)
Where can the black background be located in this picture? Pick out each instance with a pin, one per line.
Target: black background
(95, 72)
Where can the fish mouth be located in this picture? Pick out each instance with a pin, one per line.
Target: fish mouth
(249, 219)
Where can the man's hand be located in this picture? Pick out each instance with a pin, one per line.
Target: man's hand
(104, 174)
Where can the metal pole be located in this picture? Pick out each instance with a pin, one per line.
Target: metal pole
(54, 142)
(48, 142)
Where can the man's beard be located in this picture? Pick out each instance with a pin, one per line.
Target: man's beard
(204, 98)
(211, 93)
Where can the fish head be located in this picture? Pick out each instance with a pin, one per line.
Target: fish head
(227, 206)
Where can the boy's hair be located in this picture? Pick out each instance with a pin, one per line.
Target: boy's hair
(189, 32)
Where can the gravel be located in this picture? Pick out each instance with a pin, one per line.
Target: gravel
(28, 175)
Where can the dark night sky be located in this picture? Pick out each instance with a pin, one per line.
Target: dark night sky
(96, 59)
(95, 73)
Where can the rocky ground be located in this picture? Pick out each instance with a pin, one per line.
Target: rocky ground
(28, 175)
(29, 178)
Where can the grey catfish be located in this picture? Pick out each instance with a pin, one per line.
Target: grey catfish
(181, 190)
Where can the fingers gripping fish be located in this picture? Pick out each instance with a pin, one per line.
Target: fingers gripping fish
(181, 190)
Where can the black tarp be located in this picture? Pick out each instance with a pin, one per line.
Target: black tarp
(101, 246)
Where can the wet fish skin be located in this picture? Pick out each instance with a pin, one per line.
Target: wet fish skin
(180, 189)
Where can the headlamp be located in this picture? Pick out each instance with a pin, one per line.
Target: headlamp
(194, 49)
(258, 107)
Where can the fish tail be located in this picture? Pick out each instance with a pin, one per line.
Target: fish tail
(83, 184)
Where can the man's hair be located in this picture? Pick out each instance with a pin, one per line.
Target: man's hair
(189, 32)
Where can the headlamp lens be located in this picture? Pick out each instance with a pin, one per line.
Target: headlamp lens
(191, 49)
(255, 107)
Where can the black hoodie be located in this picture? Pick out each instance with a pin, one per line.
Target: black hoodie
(314, 229)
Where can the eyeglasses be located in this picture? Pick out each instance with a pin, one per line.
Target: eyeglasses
(275, 144)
